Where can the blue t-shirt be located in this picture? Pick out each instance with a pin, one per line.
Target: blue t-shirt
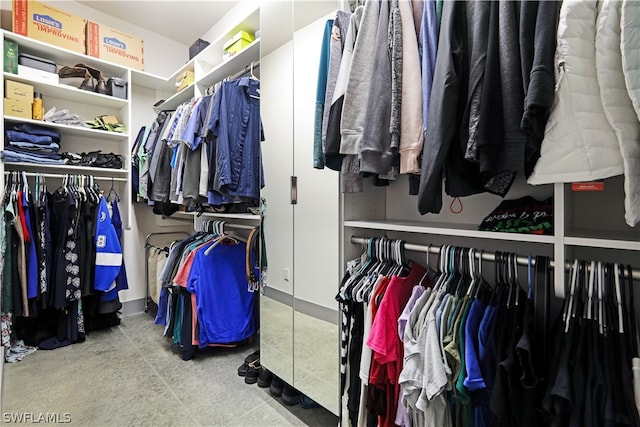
(224, 304)
(474, 379)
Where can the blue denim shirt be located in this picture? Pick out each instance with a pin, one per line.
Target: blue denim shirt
(235, 161)
(428, 45)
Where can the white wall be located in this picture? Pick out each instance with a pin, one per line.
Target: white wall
(232, 19)
(162, 56)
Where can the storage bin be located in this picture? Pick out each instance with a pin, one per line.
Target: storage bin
(184, 79)
(18, 91)
(37, 63)
(117, 87)
(197, 47)
(238, 42)
(17, 108)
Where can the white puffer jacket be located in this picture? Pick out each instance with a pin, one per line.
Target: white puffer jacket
(617, 104)
(630, 45)
(579, 143)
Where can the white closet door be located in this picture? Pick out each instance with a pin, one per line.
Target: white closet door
(276, 82)
(316, 236)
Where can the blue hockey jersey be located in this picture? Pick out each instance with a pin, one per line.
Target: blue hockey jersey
(108, 250)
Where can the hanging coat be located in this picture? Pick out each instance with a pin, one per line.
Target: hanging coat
(579, 143)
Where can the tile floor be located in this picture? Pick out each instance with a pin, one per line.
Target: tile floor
(129, 376)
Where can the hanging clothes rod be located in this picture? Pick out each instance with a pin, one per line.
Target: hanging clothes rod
(240, 226)
(485, 256)
(55, 175)
(229, 224)
(248, 68)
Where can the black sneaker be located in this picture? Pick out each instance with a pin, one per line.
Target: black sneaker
(276, 386)
(265, 378)
(290, 396)
(253, 372)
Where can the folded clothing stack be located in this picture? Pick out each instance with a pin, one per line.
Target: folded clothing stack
(96, 159)
(63, 117)
(29, 143)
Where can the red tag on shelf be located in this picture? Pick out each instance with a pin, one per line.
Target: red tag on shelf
(587, 186)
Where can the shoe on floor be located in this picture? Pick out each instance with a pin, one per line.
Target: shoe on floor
(276, 386)
(253, 372)
(308, 403)
(290, 396)
(253, 356)
(265, 378)
(242, 369)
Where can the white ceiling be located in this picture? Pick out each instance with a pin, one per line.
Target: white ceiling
(181, 21)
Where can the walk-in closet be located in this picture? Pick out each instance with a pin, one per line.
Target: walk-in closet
(327, 212)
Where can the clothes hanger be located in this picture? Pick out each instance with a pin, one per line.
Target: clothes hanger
(569, 304)
(582, 288)
(369, 279)
(223, 236)
(367, 262)
(599, 312)
(363, 289)
(618, 293)
(592, 279)
(516, 279)
(463, 272)
(343, 292)
(482, 282)
(116, 196)
(471, 255)
(429, 270)
(25, 183)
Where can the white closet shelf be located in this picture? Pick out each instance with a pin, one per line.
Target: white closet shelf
(601, 239)
(176, 99)
(246, 216)
(70, 169)
(70, 93)
(231, 66)
(63, 56)
(463, 230)
(73, 130)
(148, 80)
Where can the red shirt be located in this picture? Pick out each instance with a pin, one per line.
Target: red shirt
(385, 342)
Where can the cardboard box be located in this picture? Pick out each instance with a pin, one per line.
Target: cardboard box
(16, 108)
(238, 42)
(10, 57)
(48, 24)
(18, 91)
(38, 75)
(184, 79)
(115, 46)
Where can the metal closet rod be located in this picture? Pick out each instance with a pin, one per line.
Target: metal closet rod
(238, 226)
(485, 256)
(56, 175)
(252, 66)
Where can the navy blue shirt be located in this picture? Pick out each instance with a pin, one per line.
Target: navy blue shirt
(235, 161)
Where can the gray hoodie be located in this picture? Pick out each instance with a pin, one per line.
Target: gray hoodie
(356, 98)
(376, 155)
